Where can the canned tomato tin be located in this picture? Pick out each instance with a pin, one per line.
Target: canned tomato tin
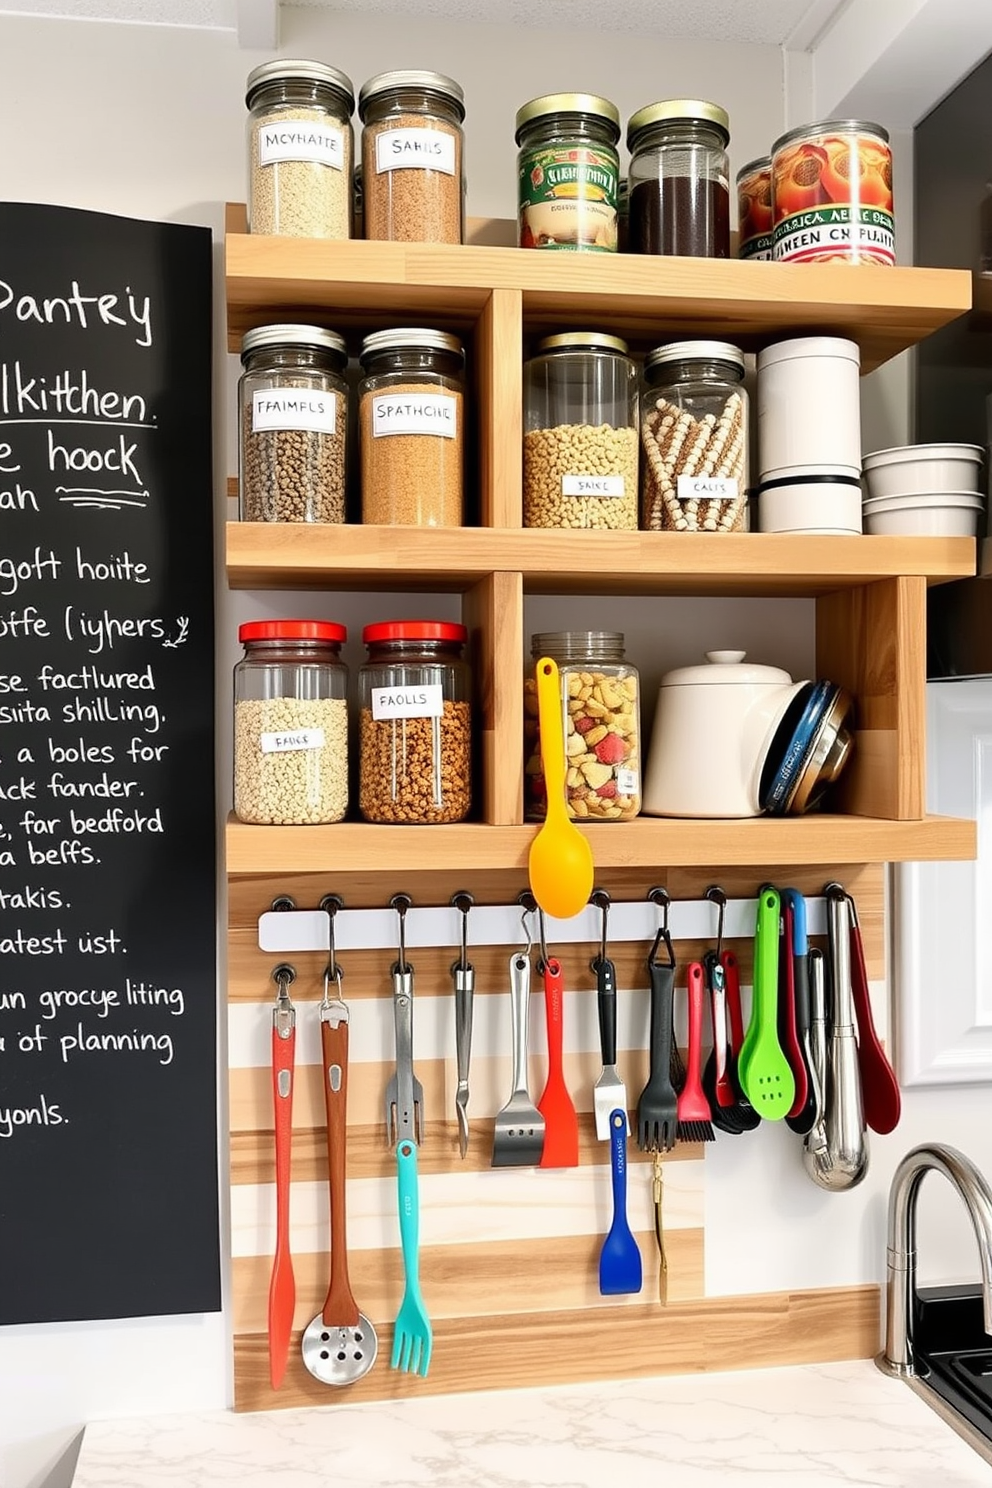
(832, 194)
(754, 209)
(568, 172)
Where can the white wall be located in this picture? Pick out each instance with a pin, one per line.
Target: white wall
(149, 122)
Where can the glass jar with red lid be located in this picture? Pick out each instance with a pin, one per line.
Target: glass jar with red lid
(416, 723)
(291, 723)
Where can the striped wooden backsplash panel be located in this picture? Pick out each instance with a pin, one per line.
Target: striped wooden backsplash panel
(507, 1255)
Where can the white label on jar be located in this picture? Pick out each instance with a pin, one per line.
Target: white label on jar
(294, 408)
(408, 702)
(299, 139)
(414, 413)
(627, 782)
(706, 488)
(415, 149)
(292, 739)
(592, 485)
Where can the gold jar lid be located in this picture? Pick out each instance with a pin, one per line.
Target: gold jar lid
(550, 104)
(678, 111)
(582, 341)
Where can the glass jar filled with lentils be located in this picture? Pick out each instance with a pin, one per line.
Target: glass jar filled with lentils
(416, 723)
(293, 421)
(580, 433)
(411, 414)
(600, 702)
(300, 149)
(412, 150)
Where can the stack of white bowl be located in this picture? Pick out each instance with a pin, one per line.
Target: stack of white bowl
(924, 490)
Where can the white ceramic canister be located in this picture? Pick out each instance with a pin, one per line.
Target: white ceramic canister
(713, 727)
(809, 408)
(813, 503)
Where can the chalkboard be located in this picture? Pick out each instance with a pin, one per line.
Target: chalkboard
(108, 1154)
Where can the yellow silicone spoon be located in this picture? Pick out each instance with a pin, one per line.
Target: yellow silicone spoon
(560, 862)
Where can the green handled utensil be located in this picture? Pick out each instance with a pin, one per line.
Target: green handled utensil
(765, 1074)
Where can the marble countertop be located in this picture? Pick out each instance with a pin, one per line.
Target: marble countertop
(822, 1424)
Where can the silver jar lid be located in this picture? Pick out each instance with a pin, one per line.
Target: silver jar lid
(678, 111)
(582, 341)
(574, 645)
(695, 351)
(831, 126)
(315, 337)
(550, 104)
(290, 71)
(406, 339)
(426, 82)
(762, 165)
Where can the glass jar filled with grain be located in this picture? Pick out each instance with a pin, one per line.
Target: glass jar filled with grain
(300, 150)
(416, 723)
(291, 723)
(694, 420)
(412, 152)
(601, 716)
(411, 415)
(293, 421)
(580, 433)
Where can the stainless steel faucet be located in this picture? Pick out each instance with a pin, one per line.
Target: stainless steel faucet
(900, 1290)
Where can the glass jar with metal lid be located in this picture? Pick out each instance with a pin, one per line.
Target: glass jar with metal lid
(694, 422)
(416, 723)
(679, 179)
(300, 149)
(832, 194)
(412, 149)
(580, 433)
(600, 701)
(293, 421)
(412, 428)
(291, 723)
(568, 172)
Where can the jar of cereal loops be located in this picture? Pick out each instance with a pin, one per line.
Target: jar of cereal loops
(291, 723)
(600, 699)
(580, 433)
(416, 723)
(300, 149)
(694, 472)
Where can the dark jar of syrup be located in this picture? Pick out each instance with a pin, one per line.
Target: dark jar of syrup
(679, 179)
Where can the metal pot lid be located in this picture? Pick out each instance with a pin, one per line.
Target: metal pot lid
(726, 668)
(808, 752)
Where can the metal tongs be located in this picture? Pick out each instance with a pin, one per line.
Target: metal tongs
(404, 1092)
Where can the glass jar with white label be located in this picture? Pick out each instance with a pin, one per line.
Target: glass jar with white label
(293, 424)
(291, 723)
(694, 424)
(580, 433)
(416, 723)
(412, 152)
(411, 415)
(601, 716)
(300, 149)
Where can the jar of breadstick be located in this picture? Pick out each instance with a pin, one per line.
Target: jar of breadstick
(694, 420)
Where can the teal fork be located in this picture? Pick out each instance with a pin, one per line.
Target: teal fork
(412, 1337)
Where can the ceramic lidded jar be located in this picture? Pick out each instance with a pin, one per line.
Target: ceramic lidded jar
(713, 728)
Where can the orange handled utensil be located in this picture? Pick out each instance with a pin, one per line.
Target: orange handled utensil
(282, 1284)
(559, 865)
(561, 1125)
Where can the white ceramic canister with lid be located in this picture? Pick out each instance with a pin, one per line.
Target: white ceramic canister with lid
(809, 408)
(824, 504)
(713, 727)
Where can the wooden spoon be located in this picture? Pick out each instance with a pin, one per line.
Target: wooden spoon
(560, 864)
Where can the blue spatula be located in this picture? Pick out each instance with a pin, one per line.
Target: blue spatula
(619, 1259)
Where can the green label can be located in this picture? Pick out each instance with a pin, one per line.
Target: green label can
(568, 197)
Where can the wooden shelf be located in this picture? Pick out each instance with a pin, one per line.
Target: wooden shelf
(642, 298)
(646, 843)
(264, 555)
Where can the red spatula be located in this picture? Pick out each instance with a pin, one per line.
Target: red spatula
(561, 1125)
(879, 1087)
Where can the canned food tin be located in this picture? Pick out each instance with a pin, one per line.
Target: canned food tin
(568, 172)
(754, 209)
(832, 194)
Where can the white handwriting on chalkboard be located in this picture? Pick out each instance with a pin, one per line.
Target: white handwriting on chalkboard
(30, 896)
(133, 1042)
(67, 393)
(82, 310)
(118, 459)
(106, 629)
(91, 679)
(26, 622)
(14, 572)
(121, 567)
(44, 1113)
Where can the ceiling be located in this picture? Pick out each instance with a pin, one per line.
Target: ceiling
(764, 22)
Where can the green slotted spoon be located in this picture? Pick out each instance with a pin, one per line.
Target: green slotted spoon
(765, 1074)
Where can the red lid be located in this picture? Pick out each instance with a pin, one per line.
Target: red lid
(292, 630)
(414, 630)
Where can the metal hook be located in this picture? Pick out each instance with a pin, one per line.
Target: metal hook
(284, 1014)
(283, 902)
(601, 899)
(545, 957)
(330, 904)
(401, 903)
(662, 900)
(463, 902)
(528, 906)
(716, 896)
(283, 975)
